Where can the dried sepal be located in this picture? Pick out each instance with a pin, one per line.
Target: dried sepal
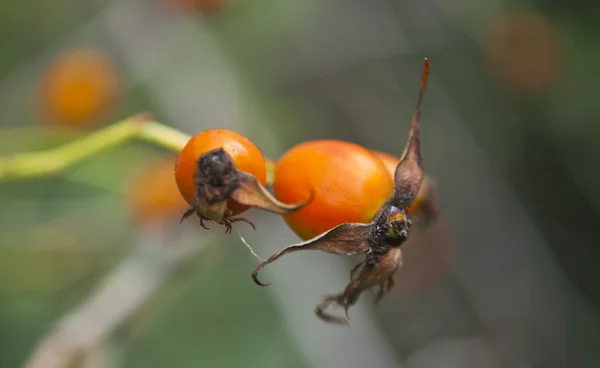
(357, 267)
(345, 239)
(425, 207)
(391, 226)
(215, 211)
(217, 180)
(251, 193)
(379, 240)
(409, 172)
(381, 275)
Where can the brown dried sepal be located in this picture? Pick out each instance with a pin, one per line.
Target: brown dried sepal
(217, 180)
(382, 275)
(251, 193)
(425, 207)
(381, 239)
(409, 172)
(345, 239)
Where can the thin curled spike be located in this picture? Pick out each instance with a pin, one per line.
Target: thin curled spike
(381, 275)
(409, 172)
(345, 239)
(320, 311)
(251, 193)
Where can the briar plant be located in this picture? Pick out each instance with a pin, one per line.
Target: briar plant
(339, 197)
(380, 239)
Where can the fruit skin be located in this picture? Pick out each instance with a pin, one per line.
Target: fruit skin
(245, 155)
(78, 87)
(350, 184)
(152, 193)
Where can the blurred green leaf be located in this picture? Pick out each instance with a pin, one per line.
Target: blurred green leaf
(49, 189)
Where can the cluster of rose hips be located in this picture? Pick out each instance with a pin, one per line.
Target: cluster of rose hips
(339, 197)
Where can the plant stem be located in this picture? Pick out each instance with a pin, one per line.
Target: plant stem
(55, 160)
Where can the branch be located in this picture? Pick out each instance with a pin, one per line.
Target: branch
(122, 294)
(55, 160)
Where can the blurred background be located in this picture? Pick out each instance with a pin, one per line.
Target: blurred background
(506, 278)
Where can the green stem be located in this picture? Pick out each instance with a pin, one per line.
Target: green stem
(55, 160)
(164, 136)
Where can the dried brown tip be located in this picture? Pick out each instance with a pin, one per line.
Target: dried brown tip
(345, 239)
(380, 275)
(346, 299)
(384, 288)
(251, 193)
(330, 318)
(409, 172)
(356, 268)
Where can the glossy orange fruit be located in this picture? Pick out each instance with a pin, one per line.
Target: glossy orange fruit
(245, 155)
(153, 195)
(390, 162)
(350, 183)
(78, 87)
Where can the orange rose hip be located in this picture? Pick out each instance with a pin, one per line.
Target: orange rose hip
(349, 182)
(245, 155)
(78, 87)
(220, 174)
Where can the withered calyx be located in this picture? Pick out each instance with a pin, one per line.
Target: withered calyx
(378, 241)
(217, 180)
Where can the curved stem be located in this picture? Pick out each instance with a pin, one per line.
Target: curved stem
(55, 160)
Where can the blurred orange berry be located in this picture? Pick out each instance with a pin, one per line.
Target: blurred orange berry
(522, 49)
(245, 155)
(350, 184)
(78, 87)
(153, 195)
